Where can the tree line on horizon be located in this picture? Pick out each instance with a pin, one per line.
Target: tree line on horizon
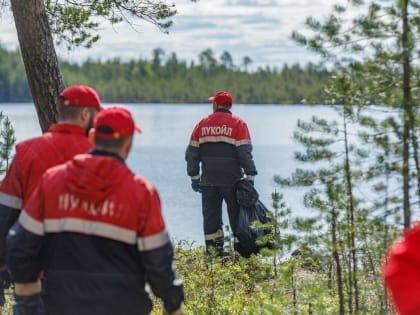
(359, 174)
(165, 79)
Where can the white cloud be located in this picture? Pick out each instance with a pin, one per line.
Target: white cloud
(259, 29)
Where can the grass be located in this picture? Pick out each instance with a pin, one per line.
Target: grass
(238, 286)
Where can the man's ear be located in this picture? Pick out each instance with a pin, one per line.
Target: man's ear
(86, 114)
(125, 151)
(91, 137)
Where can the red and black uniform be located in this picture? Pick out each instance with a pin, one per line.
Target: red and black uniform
(221, 146)
(402, 272)
(32, 158)
(97, 231)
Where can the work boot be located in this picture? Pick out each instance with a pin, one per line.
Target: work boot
(215, 247)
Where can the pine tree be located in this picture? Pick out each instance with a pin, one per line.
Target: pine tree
(7, 141)
(379, 47)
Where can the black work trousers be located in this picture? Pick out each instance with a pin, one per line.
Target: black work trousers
(212, 200)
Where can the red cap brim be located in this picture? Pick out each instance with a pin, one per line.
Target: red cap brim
(137, 128)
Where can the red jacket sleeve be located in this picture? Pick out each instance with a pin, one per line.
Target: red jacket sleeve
(402, 272)
(157, 252)
(11, 190)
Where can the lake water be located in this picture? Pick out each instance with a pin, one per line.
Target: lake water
(158, 153)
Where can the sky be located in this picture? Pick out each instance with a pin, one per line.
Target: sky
(259, 29)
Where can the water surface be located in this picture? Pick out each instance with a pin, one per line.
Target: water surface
(158, 153)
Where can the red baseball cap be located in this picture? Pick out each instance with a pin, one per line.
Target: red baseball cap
(79, 95)
(115, 122)
(222, 98)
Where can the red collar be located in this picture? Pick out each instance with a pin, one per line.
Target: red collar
(67, 128)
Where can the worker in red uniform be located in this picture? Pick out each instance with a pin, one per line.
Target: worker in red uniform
(402, 272)
(97, 231)
(218, 155)
(77, 107)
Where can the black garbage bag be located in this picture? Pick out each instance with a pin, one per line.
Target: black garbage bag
(246, 194)
(250, 209)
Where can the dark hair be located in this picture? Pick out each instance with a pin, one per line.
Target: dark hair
(68, 112)
(112, 144)
(72, 112)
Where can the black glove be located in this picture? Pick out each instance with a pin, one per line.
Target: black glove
(195, 185)
(5, 282)
(28, 305)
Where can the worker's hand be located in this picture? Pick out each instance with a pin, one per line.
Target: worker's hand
(179, 311)
(5, 282)
(195, 185)
(28, 304)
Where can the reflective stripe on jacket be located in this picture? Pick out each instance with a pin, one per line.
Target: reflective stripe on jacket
(222, 144)
(32, 158)
(97, 231)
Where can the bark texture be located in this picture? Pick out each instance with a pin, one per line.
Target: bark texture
(39, 57)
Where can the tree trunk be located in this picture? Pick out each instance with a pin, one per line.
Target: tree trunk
(352, 226)
(39, 57)
(336, 257)
(406, 115)
(294, 294)
(416, 158)
(409, 107)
